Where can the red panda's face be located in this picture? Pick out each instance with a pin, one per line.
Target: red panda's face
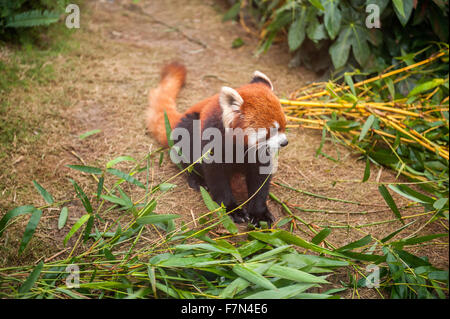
(255, 109)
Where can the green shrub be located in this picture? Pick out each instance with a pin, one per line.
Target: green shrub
(324, 32)
(19, 16)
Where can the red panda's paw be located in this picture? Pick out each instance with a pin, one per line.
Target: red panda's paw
(196, 181)
(262, 216)
(239, 216)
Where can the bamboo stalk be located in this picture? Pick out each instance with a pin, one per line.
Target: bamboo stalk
(349, 105)
(379, 77)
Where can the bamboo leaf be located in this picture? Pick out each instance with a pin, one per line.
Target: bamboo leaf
(356, 244)
(168, 130)
(429, 85)
(125, 176)
(282, 293)
(210, 204)
(293, 274)
(252, 276)
(320, 237)
(47, 197)
(153, 219)
(30, 229)
(31, 280)
(89, 133)
(366, 127)
(14, 213)
(82, 196)
(119, 159)
(164, 187)
(86, 169)
(63, 217)
(390, 201)
(293, 239)
(117, 200)
(411, 194)
(270, 253)
(366, 171)
(80, 222)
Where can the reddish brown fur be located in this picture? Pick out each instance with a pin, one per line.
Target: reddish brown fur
(162, 98)
(260, 108)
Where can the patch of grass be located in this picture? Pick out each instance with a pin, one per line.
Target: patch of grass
(23, 70)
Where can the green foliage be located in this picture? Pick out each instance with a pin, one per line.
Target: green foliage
(339, 27)
(409, 133)
(18, 17)
(184, 262)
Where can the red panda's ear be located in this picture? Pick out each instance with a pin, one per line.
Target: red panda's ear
(259, 77)
(230, 101)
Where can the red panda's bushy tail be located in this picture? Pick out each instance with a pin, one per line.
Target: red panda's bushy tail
(163, 98)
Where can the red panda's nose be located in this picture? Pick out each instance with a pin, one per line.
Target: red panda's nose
(284, 143)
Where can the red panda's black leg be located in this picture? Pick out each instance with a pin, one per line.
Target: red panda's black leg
(217, 181)
(258, 183)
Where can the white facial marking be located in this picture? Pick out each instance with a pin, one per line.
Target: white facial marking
(255, 136)
(230, 101)
(276, 140)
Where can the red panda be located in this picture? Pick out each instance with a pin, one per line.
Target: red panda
(253, 108)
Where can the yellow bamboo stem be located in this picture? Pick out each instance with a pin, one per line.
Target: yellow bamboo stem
(399, 128)
(348, 105)
(379, 77)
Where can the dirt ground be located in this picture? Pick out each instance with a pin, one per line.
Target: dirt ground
(103, 84)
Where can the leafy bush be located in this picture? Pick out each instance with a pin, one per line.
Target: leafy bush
(16, 17)
(338, 27)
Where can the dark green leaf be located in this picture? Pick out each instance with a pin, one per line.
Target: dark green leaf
(320, 237)
(403, 9)
(82, 196)
(237, 43)
(31, 280)
(47, 197)
(86, 169)
(125, 176)
(296, 33)
(80, 222)
(233, 12)
(30, 229)
(356, 244)
(390, 201)
(366, 171)
(332, 17)
(317, 4)
(252, 276)
(14, 213)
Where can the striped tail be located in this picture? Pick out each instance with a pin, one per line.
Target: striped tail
(162, 99)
